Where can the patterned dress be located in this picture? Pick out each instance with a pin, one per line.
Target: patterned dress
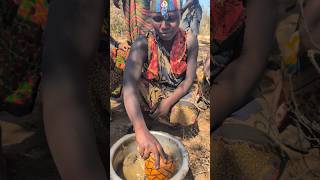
(20, 50)
(162, 74)
(135, 12)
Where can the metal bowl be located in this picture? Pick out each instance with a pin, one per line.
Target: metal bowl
(170, 144)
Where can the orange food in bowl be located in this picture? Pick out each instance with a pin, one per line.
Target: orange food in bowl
(165, 171)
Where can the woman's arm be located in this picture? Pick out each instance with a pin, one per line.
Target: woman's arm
(132, 74)
(147, 143)
(236, 82)
(71, 41)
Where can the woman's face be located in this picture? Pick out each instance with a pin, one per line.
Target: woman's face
(166, 29)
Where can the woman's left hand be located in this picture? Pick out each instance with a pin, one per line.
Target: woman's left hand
(162, 110)
(124, 46)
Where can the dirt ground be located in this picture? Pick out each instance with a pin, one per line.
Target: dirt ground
(197, 142)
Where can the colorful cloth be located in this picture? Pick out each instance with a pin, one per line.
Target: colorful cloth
(20, 50)
(178, 56)
(157, 86)
(136, 14)
(228, 30)
(184, 112)
(302, 146)
(289, 41)
(171, 5)
(228, 16)
(118, 57)
(35, 11)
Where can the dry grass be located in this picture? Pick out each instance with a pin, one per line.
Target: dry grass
(205, 24)
(117, 25)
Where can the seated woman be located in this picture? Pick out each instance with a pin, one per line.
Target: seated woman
(162, 67)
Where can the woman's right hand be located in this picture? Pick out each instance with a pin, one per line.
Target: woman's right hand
(148, 144)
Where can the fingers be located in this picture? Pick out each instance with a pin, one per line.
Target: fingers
(123, 46)
(157, 152)
(157, 157)
(141, 151)
(146, 154)
(151, 145)
(155, 114)
(126, 47)
(153, 109)
(162, 153)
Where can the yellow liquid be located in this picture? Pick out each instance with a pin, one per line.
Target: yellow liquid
(133, 167)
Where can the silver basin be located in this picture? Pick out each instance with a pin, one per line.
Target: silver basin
(170, 144)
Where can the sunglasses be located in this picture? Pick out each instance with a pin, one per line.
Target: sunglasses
(170, 18)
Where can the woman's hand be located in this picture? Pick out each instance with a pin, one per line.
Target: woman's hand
(124, 46)
(148, 144)
(162, 109)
